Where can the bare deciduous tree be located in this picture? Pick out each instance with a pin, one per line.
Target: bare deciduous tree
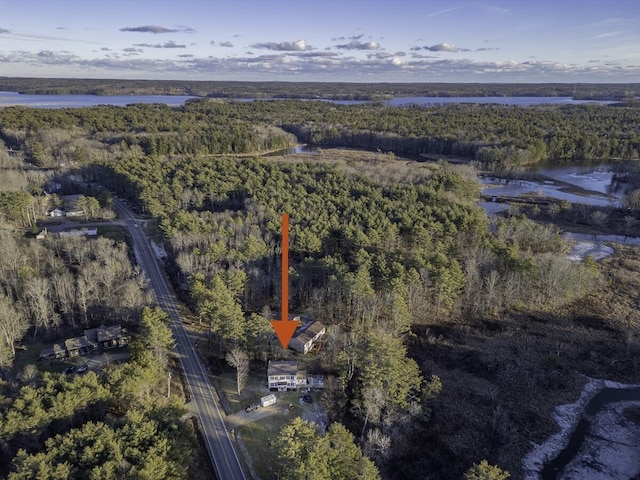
(13, 326)
(240, 361)
(38, 297)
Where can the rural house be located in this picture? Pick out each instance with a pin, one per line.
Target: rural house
(100, 338)
(284, 375)
(306, 335)
(106, 337)
(78, 346)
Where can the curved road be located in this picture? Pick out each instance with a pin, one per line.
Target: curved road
(219, 445)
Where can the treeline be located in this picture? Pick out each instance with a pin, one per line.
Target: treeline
(109, 426)
(54, 138)
(493, 136)
(333, 90)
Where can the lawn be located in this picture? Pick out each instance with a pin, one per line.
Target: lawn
(257, 437)
(31, 354)
(113, 232)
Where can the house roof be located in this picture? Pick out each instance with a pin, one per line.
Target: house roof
(104, 333)
(78, 343)
(282, 367)
(308, 332)
(52, 350)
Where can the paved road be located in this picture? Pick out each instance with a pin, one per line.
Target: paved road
(219, 445)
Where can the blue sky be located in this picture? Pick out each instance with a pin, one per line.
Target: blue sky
(324, 40)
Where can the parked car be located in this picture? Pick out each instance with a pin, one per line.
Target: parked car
(307, 398)
(82, 368)
(251, 407)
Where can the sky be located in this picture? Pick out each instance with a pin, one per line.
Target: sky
(323, 40)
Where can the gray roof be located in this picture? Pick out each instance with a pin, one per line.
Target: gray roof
(77, 343)
(55, 349)
(282, 367)
(308, 331)
(104, 333)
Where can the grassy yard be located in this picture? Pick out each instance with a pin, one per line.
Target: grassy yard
(112, 232)
(31, 354)
(257, 437)
(264, 424)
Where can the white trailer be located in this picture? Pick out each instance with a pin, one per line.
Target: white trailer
(268, 400)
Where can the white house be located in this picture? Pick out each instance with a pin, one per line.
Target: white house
(284, 375)
(306, 335)
(57, 212)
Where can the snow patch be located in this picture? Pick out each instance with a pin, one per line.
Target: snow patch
(599, 457)
(582, 248)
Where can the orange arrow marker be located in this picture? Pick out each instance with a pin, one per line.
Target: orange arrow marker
(284, 328)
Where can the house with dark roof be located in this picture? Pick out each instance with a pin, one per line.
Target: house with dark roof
(55, 352)
(106, 337)
(103, 338)
(79, 346)
(306, 335)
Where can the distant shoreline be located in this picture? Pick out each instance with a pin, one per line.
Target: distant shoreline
(316, 90)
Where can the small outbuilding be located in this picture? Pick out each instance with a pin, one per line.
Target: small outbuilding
(268, 400)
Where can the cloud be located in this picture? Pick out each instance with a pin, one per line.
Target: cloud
(420, 55)
(185, 55)
(225, 44)
(169, 44)
(47, 38)
(62, 28)
(442, 47)
(297, 46)
(319, 66)
(487, 49)
(442, 12)
(157, 29)
(342, 39)
(105, 49)
(356, 45)
(608, 34)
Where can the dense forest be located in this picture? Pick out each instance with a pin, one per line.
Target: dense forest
(426, 299)
(495, 137)
(109, 426)
(333, 90)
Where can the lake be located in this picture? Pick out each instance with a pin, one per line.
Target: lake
(8, 99)
(74, 101)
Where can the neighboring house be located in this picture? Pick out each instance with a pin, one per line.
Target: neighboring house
(79, 346)
(284, 375)
(306, 335)
(101, 338)
(106, 337)
(55, 352)
(57, 212)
